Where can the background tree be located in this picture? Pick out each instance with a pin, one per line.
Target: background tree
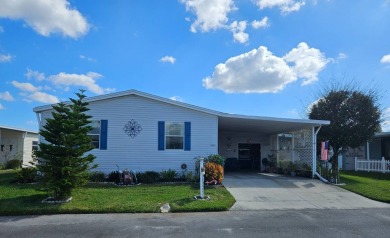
(62, 158)
(354, 118)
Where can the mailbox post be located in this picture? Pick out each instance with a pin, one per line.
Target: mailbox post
(201, 176)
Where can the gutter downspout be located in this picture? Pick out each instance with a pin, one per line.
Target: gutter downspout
(314, 162)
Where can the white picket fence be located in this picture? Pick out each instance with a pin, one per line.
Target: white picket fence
(373, 165)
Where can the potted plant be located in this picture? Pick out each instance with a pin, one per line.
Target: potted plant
(292, 168)
(265, 162)
(279, 168)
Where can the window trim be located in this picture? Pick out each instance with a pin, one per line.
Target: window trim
(99, 134)
(165, 135)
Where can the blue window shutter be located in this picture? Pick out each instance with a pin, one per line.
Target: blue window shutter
(161, 135)
(103, 134)
(187, 135)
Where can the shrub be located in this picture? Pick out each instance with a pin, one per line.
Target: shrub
(148, 177)
(168, 175)
(27, 175)
(2, 166)
(114, 176)
(214, 158)
(214, 172)
(191, 177)
(13, 164)
(284, 164)
(292, 166)
(97, 176)
(217, 159)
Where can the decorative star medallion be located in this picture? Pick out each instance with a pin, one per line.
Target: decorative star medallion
(132, 128)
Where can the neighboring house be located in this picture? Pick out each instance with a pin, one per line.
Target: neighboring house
(17, 144)
(377, 148)
(140, 131)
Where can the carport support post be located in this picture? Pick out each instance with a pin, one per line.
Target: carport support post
(314, 159)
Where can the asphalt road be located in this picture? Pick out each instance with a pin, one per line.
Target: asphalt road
(286, 223)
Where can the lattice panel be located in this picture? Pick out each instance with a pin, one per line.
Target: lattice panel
(303, 149)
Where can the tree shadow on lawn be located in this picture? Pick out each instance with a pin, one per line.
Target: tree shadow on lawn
(28, 205)
(368, 175)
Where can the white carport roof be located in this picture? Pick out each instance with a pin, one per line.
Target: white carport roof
(264, 125)
(17, 129)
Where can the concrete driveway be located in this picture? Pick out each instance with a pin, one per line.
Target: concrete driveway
(255, 191)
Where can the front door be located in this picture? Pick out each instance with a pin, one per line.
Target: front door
(249, 156)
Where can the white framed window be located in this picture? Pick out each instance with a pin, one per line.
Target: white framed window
(95, 133)
(174, 136)
(34, 145)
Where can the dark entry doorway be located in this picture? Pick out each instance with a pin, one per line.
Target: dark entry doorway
(249, 156)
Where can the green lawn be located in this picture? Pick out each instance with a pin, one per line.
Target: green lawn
(373, 185)
(23, 199)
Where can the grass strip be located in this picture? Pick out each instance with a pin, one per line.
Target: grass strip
(25, 199)
(372, 185)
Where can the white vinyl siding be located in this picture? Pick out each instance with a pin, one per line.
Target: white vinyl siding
(29, 139)
(141, 152)
(21, 143)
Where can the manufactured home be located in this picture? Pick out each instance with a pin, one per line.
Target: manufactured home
(17, 143)
(140, 131)
(376, 149)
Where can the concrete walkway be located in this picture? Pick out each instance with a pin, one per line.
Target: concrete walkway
(255, 191)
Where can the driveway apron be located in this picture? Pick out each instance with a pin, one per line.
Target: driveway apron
(259, 191)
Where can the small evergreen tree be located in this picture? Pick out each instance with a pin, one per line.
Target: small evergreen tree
(62, 158)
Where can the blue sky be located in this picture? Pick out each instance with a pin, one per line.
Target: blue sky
(252, 57)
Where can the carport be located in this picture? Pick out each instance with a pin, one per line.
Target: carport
(246, 140)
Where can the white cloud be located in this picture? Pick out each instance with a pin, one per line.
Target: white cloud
(168, 59)
(176, 98)
(5, 58)
(385, 59)
(27, 87)
(285, 6)
(342, 56)
(6, 96)
(46, 16)
(31, 74)
(263, 23)
(84, 80)
(87, 58)
(238, 28)
(259, 71)
(1, 107)
(42, 97)
(308, 62)
(210, 14)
